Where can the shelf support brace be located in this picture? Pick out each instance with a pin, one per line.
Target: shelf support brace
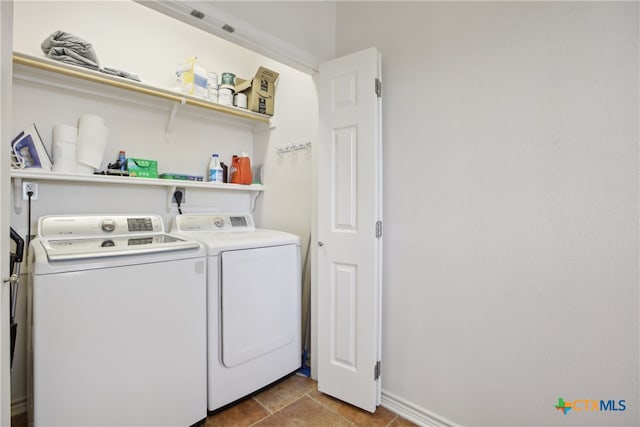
(17, 195)
(172, 115)
(255, 199)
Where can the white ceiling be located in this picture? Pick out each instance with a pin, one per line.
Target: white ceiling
(300, 34)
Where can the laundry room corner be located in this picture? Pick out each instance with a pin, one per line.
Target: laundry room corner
(181, 138)
(285, 153)
(287, 170)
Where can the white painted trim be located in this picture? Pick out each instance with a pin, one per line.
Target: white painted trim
(413, 412)
(19, 406)
(6, 71)
(245, 34)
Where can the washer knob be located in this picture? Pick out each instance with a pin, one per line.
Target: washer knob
(219, 222)
(108, 225)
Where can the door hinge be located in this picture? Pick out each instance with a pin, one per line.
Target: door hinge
(378, 229)
(376, 371)
(378, 88)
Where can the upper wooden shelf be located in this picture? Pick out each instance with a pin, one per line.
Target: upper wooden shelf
(23, 63)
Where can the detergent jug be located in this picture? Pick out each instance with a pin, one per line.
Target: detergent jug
(242, 172)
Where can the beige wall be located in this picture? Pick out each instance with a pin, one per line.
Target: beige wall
(511, 205)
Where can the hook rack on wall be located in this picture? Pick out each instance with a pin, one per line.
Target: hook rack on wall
(293, 147)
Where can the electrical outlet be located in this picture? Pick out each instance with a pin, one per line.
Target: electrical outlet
(184, 196)
(29, 187)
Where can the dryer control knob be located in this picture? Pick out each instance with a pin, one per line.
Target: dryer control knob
(108, 225)
(219, 222)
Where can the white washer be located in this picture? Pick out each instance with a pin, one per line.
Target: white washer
(253, 283)
(118, 329)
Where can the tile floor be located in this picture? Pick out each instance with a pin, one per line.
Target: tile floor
(295, 401)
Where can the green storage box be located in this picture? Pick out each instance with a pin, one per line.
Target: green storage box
(142, 168)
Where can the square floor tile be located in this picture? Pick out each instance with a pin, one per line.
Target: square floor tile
(380, 418)
(286, 392)
(242, 414)
(304, 412)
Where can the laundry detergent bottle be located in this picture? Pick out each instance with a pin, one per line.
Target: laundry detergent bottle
(215, 169)
(242, 173)
(233, 169)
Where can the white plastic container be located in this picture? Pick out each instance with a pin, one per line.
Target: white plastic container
(213, 95)
(212, 86)
(225, 96)
(240, 100)
(215, 169)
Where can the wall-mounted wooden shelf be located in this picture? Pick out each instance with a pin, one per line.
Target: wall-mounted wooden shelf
(33, 67)
(18, 175)
(73, 78)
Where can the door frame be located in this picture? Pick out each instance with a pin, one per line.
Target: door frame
(6, 74)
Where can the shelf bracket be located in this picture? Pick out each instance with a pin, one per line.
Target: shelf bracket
(17, 195)
(255, 200)
(172, 115)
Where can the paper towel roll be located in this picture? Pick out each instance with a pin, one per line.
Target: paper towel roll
(92, 140)
(64, 148)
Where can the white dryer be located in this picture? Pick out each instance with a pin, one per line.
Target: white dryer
(253, 300)
(118, 323)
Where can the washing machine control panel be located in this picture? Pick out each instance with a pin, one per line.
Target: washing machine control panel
(98, 225)
(140, 224)
(238, 221)
(214, 222)
(99, 236)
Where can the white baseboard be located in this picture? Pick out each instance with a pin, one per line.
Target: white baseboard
(413, 412)
(19, 405)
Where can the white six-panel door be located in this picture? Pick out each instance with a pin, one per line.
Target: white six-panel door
(349, 241)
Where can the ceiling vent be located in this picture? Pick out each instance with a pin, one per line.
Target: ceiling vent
(197, 14)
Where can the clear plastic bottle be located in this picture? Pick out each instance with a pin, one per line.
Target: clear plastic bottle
(215, 169)
(122, 159)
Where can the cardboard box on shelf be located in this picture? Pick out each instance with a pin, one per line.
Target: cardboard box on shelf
(142, 168)
(260, 90)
